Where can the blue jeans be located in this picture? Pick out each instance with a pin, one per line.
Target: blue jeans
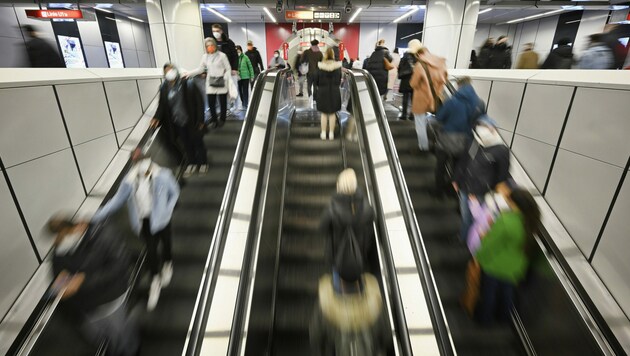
(421, 130)
(496, 299)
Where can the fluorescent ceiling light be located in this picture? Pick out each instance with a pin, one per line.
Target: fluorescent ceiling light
(104, 5)
(619, 7)
(408, 13)
(571, 7)
(413, 34)
(536, 16)
(574, 21)
(218, 14)
(270, 15)
(485, 10)
(134, 19)
(356, 13)
(99, 9)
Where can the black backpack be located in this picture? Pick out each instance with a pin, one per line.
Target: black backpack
(348, 258)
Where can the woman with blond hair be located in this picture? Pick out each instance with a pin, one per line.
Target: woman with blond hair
(328, 94)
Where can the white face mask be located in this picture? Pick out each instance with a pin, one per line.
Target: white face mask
(68, 244)
(216, 35)
(171, 75)
(276, 55)
(143, 166)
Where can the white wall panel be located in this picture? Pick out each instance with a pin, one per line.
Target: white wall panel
(448, 36)
(44, 28)
(535, 158)
(122, 135)
(124, 103)
(144, 59)
(238, 34)
(93, 158)
(611, 259)
(31, 124)
(183, 42)
(85, 110)
(158, 36)
(16, 254)
(506, 136)
(15, 53)
(9, 26)
(545, 33)
(482, 87)
(130, 57)
(579, 192)
(367, 39)
(598, 125)
(387, 31)
(592, 22)
(257, 33)
(45, 186)
(90, 33)
(140, 37)
(543, 112)
(505, 100)
(96, 57)
(125, 33)
(148, 91)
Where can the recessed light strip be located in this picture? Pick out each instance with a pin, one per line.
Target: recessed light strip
(218, 14)
(270, 15)
(485, 10)
(535, 16)
(408, 13)
(356, 13)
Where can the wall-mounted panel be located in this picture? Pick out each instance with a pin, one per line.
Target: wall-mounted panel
(545, 33)
(125, 33)
(31, 126)
(96, 57)
(85, 110)
(140, 36)
(535, 158)
(43, 28)
(598, 125)
(148, 91)
(186, 45)
(9, 26)
(506, 136)
(482, 32)
(94, 157)
(124, 103)
(90, 33)
(122, 135)
(505, 100)
(15, 55)
(543, 112)
(130, 57)
(579, 192)
(611, 259)
(482, 87)
(45, 186)
(145, 59)
(16, 254)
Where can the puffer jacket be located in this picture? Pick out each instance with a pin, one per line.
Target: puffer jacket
(245, 69)
(327, 82)
(376, 67)
(500, 57)
(423, 100)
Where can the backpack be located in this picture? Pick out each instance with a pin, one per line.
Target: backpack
(348, 258)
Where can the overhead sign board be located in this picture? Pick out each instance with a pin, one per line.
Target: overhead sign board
(293, 15)
(55, 14)
(322, 16)
(327, 15)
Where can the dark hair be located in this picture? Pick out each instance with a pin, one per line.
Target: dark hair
(239, 48)
(501, 37)
(396, 50)
(489, 42)
(564, 41)
(596, 37)
(216, 25)
(168, 65)
(461, 81)
(28, 28)
(276, 51)
(314, 42)
(529, 208)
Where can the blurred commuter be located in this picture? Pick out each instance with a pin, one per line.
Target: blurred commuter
(611, 37)
(41, 54)
(92, 273)
(150, 193)
(561, 57)
(392, 75)
(218, 75)
(227, 46)
(312, 56)
(335, 48)
(503, 256)
(484, 54)
(255, 58)
(357, 64)
(484, 168)
(501, 54)
(428, 80)
(365, 62)
(245, 76)
(378, 65)
(457, 117)
(302, 71)
(276, 62)
(345, 63)
(474, 62)
(528, 59)
(181, 109)
(328, 93)
(405, 70)
(598, 55)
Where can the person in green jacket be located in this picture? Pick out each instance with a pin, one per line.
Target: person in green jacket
(245, 75)
(503, 256)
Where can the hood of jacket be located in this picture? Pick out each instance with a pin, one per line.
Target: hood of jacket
(564, 51)
(328, 65)
(381, 48)
(501, 46)
(432, 60)
(341, 201)
(254, 49)
(350, 312)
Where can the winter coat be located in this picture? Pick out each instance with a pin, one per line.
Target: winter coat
(350, 324)
(408, 60)
(312, 56)
(500, 57)
(484, 57)
(227, 46)
(376, 67)
(423, 100)
(482, 172)
(597, 57)
(102, 257)
(456, 115)
(256, 60)
(42, 54)
(193, 100)
(277, 62)
(165, 193)
(502, 252)
(215, 65)
(527, 60)
(339, 215)
(392, 75)
(327, 82)
(245, 69)
(559, 58)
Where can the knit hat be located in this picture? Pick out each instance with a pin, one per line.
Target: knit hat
(415, 46)
(347, 182)
(250, 43)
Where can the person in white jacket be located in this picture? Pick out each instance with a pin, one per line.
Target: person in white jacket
(218, 76)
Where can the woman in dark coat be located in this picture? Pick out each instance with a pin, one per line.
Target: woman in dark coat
(405, 69)
(483, 59)
(376, 66)
(328, 94)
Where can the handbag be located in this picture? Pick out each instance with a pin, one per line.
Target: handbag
(452, 143)
(405, 69)
(470, 297)
(216, 82)
(387, 64)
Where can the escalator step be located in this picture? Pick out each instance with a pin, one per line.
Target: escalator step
(307, 201)
(318, 180)
(300, 277)
(313, 146)
(171, 317)
(301, 223)
(303, 247)
(323, 160)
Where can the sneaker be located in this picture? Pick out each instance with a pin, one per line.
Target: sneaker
(167, 273)
(331, 136)
(323, 135)
(203, 169)
(154, 293)
(299, 95)
(190, 170)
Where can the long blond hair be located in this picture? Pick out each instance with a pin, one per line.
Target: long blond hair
(330, 54)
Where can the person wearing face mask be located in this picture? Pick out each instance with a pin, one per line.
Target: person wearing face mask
(276, 62)
(217, 68)
(91, 267)
(150, 193)
(484, 168)
(245, 74)
(181, 106)
(227, 46)
(255, 58)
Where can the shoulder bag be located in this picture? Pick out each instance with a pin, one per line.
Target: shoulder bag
(216, 82)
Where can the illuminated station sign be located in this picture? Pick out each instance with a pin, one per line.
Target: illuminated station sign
(322, 16)
(55, 14)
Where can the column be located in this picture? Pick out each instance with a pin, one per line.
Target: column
(449, 30)
(176, 32)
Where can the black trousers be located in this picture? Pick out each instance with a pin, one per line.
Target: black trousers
(152, 241)
(444, 167)
(212, 104)
(310, 78)
(406, 97)
(243, 91)
(192, 140)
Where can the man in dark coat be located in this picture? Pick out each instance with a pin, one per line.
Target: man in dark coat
(254, 56)
(92, 272)
(41, 54)
(312, 56)
(376, 66)
(561, 57)
(501, 55)
(227, 46)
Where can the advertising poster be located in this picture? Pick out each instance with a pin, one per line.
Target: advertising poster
(114, 56)
(72, 52)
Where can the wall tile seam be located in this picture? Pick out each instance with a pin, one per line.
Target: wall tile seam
(535, 139)
(38, 157)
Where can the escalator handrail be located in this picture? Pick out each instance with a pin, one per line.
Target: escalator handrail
(201, 310)
(438, 316)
